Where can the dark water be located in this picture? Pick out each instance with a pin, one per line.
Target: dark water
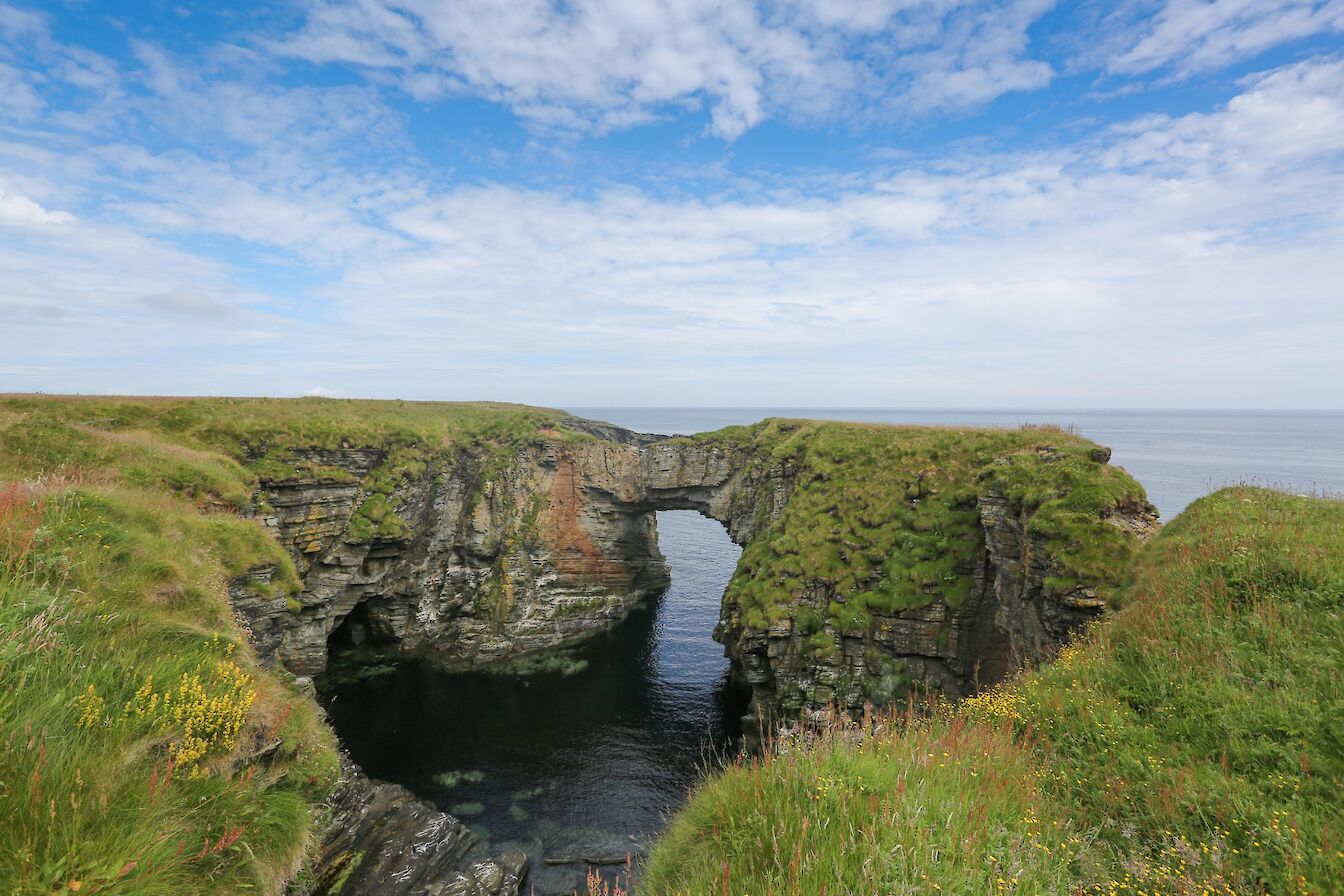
(557, 764)
(592, 763)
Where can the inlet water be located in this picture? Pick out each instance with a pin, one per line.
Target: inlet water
(583, 762)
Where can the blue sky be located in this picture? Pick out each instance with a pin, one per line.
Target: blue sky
(1136, 203)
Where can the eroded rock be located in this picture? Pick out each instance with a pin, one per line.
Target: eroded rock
(383, 841)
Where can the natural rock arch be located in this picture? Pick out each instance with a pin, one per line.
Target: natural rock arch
(504, 555)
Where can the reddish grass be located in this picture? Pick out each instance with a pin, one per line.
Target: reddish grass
(21, 511)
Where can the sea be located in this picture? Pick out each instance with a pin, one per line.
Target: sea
(586, 763)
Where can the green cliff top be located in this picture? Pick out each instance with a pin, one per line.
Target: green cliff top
(216, 450)
(887, 516)
(177, 442)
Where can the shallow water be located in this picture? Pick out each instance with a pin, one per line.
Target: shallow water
(592, 763)
(589, 763)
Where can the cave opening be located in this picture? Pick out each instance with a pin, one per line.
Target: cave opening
(355, 630)
(359, 645)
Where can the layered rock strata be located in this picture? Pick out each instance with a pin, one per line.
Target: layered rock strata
(384, 842)
(556, 541)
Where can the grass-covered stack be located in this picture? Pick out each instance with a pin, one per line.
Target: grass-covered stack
(882, 558)
(887, 515)
(1190, 744)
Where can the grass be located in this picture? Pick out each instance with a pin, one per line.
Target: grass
(885, 517)
(1189, 744)
(142, 750)
(214, 451)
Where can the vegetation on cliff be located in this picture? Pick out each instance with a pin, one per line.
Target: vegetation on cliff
(216, 450)
(886, 517)
(1189, 744)
(142, 749)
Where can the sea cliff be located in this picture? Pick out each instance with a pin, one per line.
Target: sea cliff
(878, 561)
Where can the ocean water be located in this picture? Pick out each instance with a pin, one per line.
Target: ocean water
(590, 764)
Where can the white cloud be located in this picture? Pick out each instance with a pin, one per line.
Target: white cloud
(1200, 35)
(610, 63)
(20, 211)
(1165, 260)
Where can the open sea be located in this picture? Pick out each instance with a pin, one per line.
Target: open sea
(589, 764)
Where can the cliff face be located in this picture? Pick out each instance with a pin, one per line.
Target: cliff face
(500, 555)
(1009, 619)
(497, 556)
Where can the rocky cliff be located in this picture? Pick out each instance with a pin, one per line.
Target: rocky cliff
(493, 555)
(385, 842)
(878, 559)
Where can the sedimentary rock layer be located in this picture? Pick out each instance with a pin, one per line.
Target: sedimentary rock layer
(498, 554)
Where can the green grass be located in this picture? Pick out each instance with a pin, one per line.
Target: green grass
(1192, 743)
(885, 517)
(214, 451)
(142, 749)
(111, 598)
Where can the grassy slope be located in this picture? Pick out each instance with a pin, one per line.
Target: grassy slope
(1193, 743)
(142, 751)
(887, 514)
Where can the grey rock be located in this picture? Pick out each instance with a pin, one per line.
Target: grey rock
(382, 841)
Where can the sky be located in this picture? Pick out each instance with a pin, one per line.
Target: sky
(855, 203)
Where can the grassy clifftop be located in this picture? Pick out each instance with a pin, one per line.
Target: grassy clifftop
(1190, 744)
(888, 516)
(215, 448)
(143, 750)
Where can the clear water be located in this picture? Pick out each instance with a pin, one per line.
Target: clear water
(592, 763)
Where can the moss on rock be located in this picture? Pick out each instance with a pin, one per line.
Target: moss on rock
(887, 517)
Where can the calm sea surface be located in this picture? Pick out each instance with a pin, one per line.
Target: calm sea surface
(590, 762)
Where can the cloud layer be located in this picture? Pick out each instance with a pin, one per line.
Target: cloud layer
(208, 224)
(614, 63)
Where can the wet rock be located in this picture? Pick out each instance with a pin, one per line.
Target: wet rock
(382, 841)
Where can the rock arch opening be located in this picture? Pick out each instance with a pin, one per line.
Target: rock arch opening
(360, 631)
